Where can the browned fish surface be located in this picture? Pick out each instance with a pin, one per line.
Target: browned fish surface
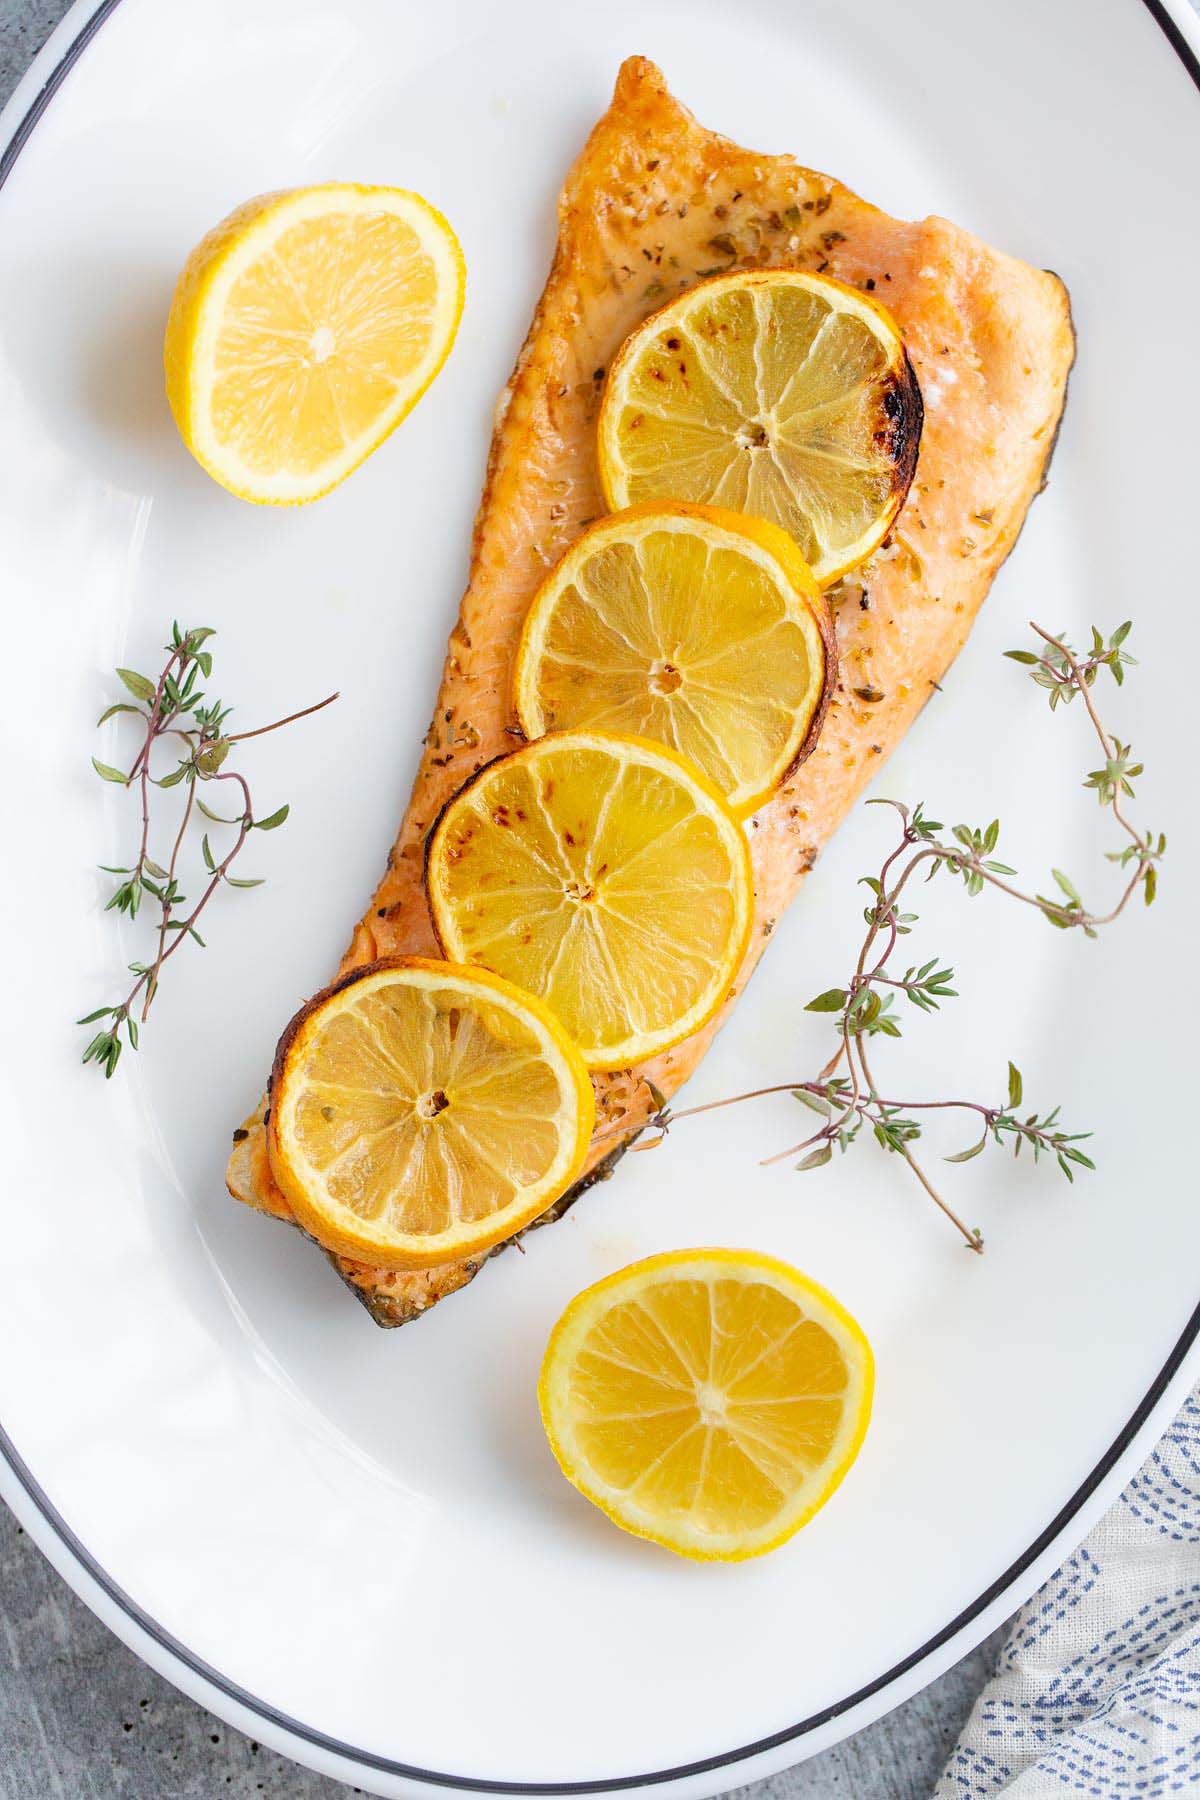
(654, 203)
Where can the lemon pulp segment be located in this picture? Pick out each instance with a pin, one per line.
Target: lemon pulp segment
(603, 874)
(695, 627)
(421, 1113)
(775, 393)
(304, 328)
(709, 1399)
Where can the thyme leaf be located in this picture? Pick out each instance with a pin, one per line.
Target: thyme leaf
(862, 1008)
(174, 707)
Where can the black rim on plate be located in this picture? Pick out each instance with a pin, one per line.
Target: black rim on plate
(387, 1765)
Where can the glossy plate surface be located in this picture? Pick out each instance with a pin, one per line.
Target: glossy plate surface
(356, 1544)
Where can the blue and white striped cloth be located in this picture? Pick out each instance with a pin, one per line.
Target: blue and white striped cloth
(1097, 1691)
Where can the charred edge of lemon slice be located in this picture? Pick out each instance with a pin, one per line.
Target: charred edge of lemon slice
(829, 639)
(905, 409)
(787, 552)
(902, 400)
(694, 774)
(300, 1018)
(574, 1181)
(904, 405)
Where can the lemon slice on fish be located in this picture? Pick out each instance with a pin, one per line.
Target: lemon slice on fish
(696, 627)
(607, 876)
(711, 1400)
(303, 329)
(421, 1113)
(772, 392)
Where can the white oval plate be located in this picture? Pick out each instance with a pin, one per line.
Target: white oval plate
(355, 1544)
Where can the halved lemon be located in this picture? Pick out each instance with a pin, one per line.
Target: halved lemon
(421, 1113)
(771, 392)
(693, 626)
(605, 875)
(303, 328)
(711, 1400)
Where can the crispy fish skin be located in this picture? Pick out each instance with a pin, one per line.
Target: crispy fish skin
(653, 204)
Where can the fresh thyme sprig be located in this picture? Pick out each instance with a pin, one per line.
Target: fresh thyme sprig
(175, 707)
(863, 1010)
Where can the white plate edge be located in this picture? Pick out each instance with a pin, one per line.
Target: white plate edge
(19, 1489)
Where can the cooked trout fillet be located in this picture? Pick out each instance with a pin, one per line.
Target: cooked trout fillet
(654, 203)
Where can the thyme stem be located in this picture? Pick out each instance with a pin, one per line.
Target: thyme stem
(863, 1007)
(172, 706)
(241, 737)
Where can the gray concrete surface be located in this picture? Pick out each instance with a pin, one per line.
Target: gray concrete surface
(81, 1718)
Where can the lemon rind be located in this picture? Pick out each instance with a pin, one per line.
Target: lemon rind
(204, 287)
(614, 480)
(587, 1308)
(761, 541)
(633, 1049)
(324, 1218)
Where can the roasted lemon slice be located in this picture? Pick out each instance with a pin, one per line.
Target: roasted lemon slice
(304, 328)
(776, 393)
(709, 1399)
(603, 874)
(422, 1113)
(695, 627)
